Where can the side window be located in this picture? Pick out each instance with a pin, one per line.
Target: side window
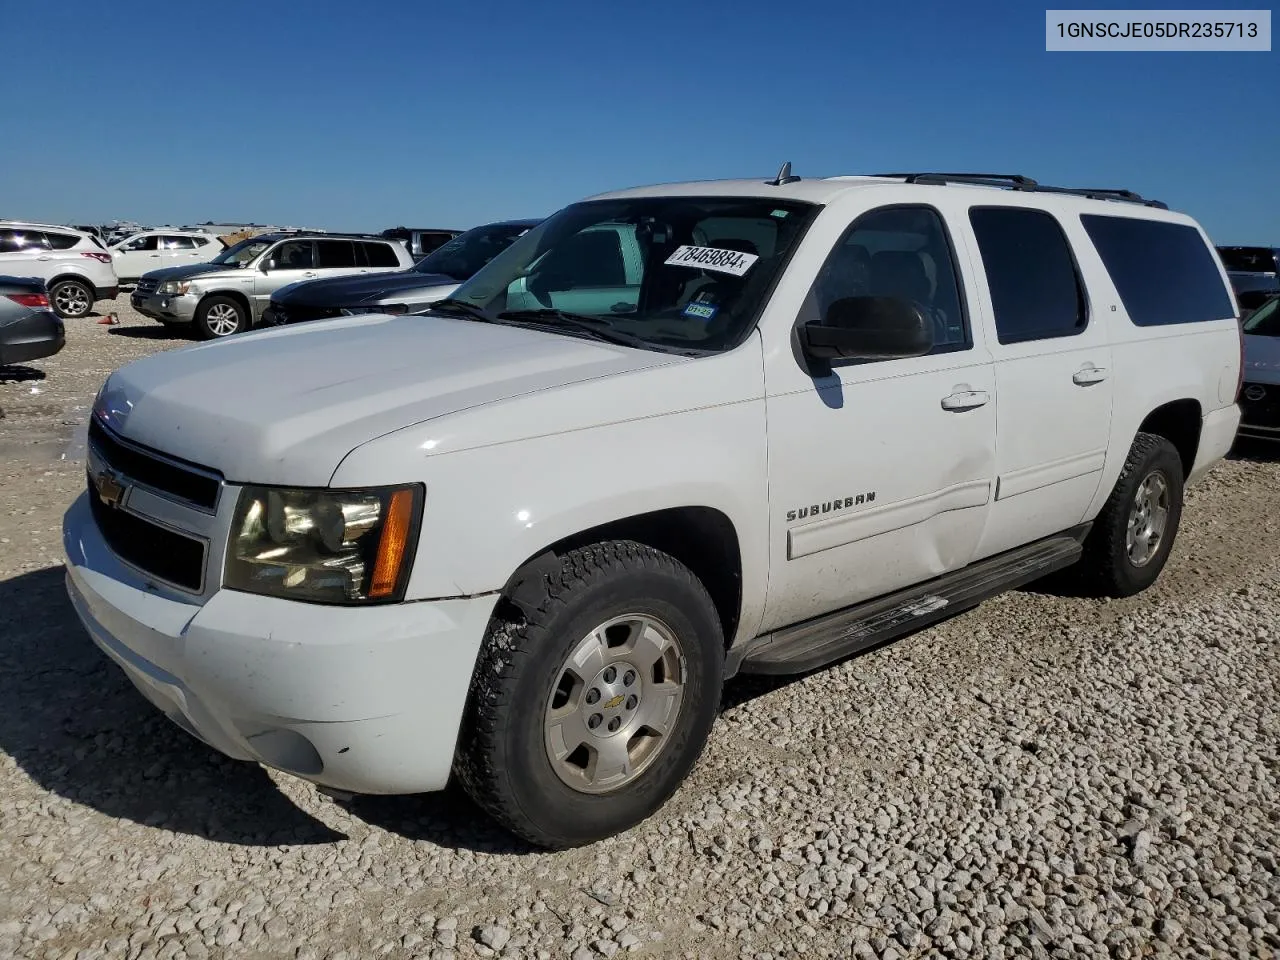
(1164, 272)
(61, 241)
(380, 255)
(335, 253)
(294, 255)
(151, 242)
(592, 258)
(901, 252)
(18, 239)
(1035, 290)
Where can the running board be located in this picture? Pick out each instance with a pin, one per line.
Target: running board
(823, 640)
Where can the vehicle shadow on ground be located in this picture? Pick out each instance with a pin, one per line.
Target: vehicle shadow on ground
(146, 333)
(76, 726)
(1256, 451)
(20, 374)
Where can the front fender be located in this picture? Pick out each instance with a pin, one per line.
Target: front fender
(490, 508)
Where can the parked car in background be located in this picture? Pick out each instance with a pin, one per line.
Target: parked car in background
(521, 548)
(75, 266)
(1260, 392)
(1254, 273)
(432, 278)
(156, 249)
(420, 241)
(228, 294)
(29, 329)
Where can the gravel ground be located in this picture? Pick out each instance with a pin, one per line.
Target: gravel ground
(1041, 777)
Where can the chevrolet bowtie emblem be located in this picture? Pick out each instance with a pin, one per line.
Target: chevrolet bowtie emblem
(110, 489)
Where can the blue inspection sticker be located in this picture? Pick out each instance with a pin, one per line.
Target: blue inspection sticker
(700, 311)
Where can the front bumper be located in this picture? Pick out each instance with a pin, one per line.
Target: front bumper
(364, 700)
(174, 309)
(1260, 410)
(35, 336)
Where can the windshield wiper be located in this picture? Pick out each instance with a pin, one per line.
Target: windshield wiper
(454, 305)
(595, 326)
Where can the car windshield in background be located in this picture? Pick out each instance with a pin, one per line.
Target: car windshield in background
(673, 273)
(242, 252)
(1265, 321)
(461, 257)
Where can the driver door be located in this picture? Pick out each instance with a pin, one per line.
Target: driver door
(288, 262)
(597, 271)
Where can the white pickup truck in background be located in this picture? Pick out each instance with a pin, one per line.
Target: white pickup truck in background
(670, 434)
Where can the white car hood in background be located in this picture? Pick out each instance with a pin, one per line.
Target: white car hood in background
(285, 406)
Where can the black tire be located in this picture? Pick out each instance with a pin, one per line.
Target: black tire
(208, 328)
(1106, 567)
(502, 761)
(71, 299)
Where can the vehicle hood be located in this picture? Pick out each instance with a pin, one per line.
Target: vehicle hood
(1262, 359)
(359, 289)
(285, 405)
(189, 270)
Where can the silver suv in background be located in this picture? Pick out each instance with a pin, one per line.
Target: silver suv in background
(228, 294)
(76, 268)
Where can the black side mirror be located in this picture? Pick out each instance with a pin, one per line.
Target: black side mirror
(266, 266)
(868, 328)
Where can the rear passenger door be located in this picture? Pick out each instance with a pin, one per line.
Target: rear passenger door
(1052, 369)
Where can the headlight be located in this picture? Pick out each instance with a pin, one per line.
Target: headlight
(174, 288)
(324, 546)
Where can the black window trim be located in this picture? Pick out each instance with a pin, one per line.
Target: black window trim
(1082, 288)
(961, 291)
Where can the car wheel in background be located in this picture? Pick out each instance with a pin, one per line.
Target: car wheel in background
(71, 299)
(219, 317)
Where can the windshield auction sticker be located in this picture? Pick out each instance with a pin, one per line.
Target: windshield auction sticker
(712, 258)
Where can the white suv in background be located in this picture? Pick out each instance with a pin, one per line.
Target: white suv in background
(154, 249)
(75, 266)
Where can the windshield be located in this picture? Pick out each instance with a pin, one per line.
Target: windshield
(668, 272)
(466, 253)
(242, 252)
(1265, 321)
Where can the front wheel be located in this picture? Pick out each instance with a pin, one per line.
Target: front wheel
(1133, 534)
(587, 711)
(219, 317)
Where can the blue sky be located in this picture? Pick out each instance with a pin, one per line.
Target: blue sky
(363, 116)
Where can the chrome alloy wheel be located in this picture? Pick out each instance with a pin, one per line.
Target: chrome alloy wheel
(72, 300)
(222, 319)
(1148, 518)
(615, 703)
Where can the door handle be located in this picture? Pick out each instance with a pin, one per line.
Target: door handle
(154, 256)
(1086, 376)
(965, 400)
(309, 273)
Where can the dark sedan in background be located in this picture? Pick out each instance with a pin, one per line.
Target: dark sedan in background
(434, 277)
(29, 329)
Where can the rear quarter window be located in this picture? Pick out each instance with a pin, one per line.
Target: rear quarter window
(61, 241)
(381, 255)
(1164, 272)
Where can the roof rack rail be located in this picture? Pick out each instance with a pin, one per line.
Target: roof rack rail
(1015, 181)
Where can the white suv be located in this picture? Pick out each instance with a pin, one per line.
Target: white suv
(670, 434)
(76, 267)
(156, 249)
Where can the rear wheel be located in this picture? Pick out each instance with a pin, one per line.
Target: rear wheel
(71, 299)
(218, 317)
(587, 711)
(1133, 534)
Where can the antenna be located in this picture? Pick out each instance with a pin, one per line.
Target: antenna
(784, 176)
